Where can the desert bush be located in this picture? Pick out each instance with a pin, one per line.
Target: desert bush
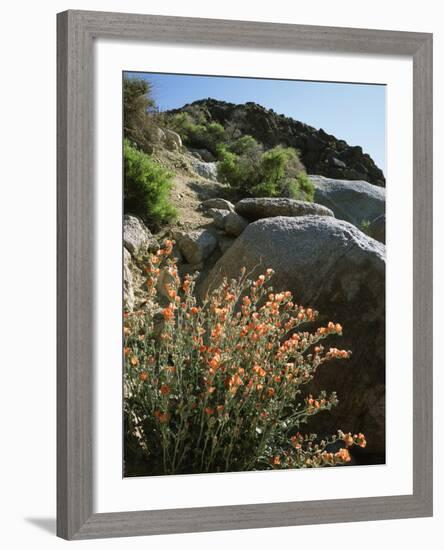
(303, 189)
(250, 171)
(146, 187)
(280, 163)
(218, 386)
(238, 164)
(202, 134)
(141, 119)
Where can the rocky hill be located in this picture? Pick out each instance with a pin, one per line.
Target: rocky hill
(321, 153)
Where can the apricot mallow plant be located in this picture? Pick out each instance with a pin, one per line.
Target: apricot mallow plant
(217, 385)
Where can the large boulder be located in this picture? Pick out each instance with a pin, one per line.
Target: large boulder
(356, 202)
(332, 266)
(136, 236)
(258, 208)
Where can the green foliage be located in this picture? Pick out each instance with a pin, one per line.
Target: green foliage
(181, 123)
(300, 188)
(278, 164)
(238, 163)
(201, 135)
(245, 145)
(140, 118)
(277, 172)
(146, 187)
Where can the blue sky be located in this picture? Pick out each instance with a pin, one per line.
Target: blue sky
(353, 112)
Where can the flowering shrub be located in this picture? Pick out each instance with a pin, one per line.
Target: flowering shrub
(217, 386)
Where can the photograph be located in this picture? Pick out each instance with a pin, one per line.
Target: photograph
(253, 272)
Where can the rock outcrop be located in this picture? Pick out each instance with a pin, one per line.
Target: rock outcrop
(332, 266)
(356, 202)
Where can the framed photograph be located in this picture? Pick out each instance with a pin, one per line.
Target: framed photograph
(244, 275)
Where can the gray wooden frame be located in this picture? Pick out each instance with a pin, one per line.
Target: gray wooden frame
(77, 31)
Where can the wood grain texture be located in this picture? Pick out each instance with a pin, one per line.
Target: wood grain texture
(77, 31)
(75, 223)
(423, 272)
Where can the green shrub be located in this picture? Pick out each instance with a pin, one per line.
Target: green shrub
(181, 123)
(238, 164)
(201, 135)
(277, 172)
(234, 169)
(280, 163)
(246, 145)
(146, 187)
(301, 188)
(141, 120)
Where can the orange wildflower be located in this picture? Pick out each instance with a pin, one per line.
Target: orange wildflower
(168, 313)
(260, 281)
(164, 418)
(276, 460)
(186, 285)
(143, 376)
(134, 361)
(259, 370)
(233, 383)
(214, 362)
(343, 455)
(165, 389)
